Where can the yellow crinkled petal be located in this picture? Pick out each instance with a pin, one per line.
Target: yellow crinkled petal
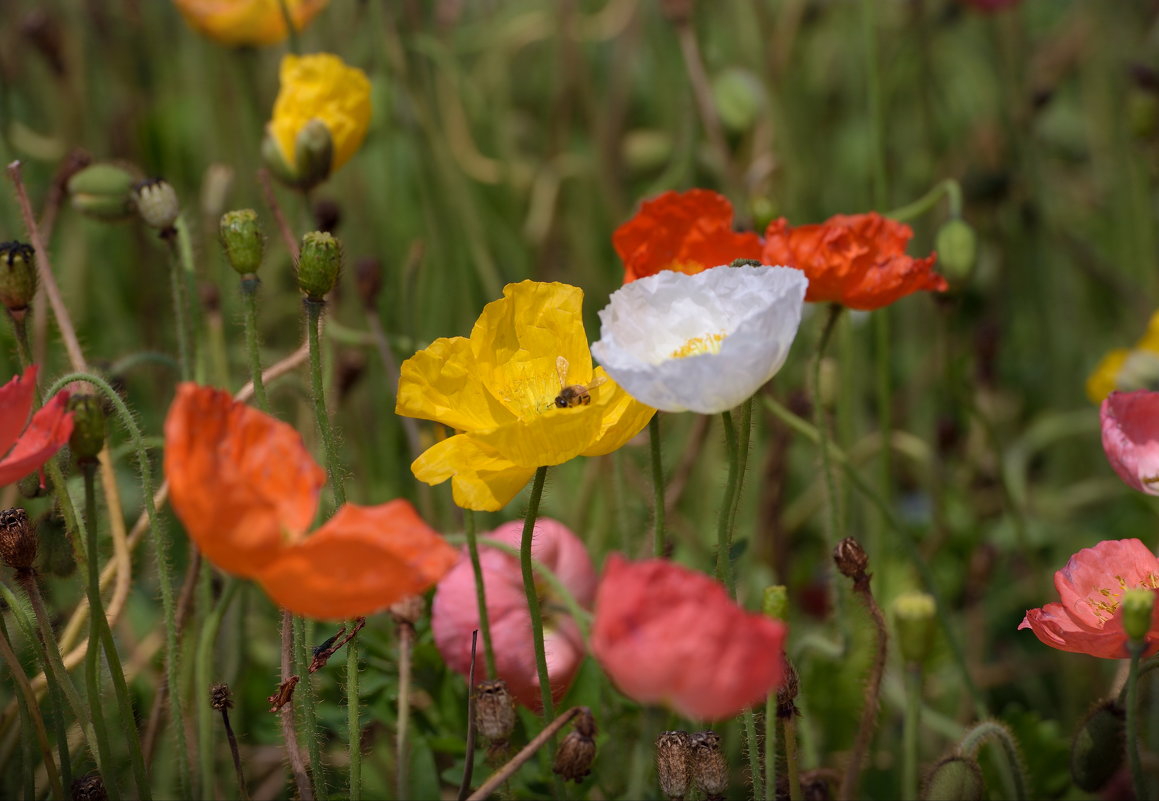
(1102, 380)
(623, 417)
(321, 86)
(480, 479)
(553, 436)
(442, 382)
(246, 22)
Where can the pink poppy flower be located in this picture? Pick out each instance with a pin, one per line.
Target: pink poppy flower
(667, 634)
(1131, 437)
(1090, 588)
(455, 614)
(45, 434)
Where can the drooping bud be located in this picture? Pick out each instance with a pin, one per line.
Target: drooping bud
(88, 427)
(17, 277)
(851, 559)
(955, 778)
(576, 753)
(220, 697)
(775, 603)
(313, 156)
(709, 768)
(89, 788)
(494, 711)
(913, 616)
(242, 240)
(1099, 746)
(17, 540)
(103, 191)
(157, 204)
(957, 248)
(1138, 605)
(319, 263)
(674, 763)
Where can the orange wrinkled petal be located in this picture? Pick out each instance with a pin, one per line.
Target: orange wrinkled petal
(363, 560)
(47, 433)
(241, 481)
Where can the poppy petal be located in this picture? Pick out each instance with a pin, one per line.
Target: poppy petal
(46, 434)
(481, 479)
(15, 403)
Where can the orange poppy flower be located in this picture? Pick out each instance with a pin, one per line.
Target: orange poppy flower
(246, 489)
(857, 260)
(683, 231)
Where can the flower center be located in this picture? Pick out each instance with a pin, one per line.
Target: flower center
(1106, 607)
(709, 343)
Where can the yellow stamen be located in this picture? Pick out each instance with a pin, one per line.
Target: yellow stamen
(709, 343)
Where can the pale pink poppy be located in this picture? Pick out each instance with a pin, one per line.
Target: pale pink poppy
(455, 614)
(1090, 588)
(667, 634)
(45, 434)
(1131, 437)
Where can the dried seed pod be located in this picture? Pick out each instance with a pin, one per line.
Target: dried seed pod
(851, 559)
(220, 697)
(17, 540)
(576, 753)
(494, 711)
(89, 788)
(18, 278)
(709, 769)
(674, 763)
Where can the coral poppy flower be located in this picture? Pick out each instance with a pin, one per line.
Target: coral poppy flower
(247, 22)
(667, 634)
(1090, 588)
(682, 231)
(856, 260)
(46, 433)
(1131, 437)
(320, 87)
(523, 392)
(246, 489)
(1137, 368)
(703, 342)
(455, 613)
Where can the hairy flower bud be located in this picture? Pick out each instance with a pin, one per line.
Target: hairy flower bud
(1099, 745)
(103, 191)
(319, 263)
(775, 603)
(157, 203)
(674, 763)
(242, 240)
(709, 768)
(576, 753)
(955, 778)
(1138, 604)
(851, 559)
(88, 427)
(313, 156)
(957, 248)
(913, 616)
(17, 277)
(494, 711)
(17, 540)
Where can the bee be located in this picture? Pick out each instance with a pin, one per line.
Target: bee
(572, 395)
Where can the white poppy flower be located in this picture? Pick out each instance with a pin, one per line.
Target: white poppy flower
(703, 342)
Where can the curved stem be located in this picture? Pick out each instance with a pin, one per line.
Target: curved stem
(1133, 733)
(724, 529)
(989, 729)
(659, 546)
(480, 593)
(249, 291)
(202, 665)
(532, 594)
(948, 187)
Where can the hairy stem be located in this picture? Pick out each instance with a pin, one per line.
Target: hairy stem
(480, 592)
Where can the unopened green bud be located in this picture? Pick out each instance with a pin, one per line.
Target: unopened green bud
(319, 263)
(1099, 746)
(103, 191)
(313, 156)
(955, 778)
(242, 240)
(775, 603)
(957, 248)
(88, 427)
(739, 98)
(1138, 604)
(157, 203)
(17, 276)
(645, 150)
(913, 615)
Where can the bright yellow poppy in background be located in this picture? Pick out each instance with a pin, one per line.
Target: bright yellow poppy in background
(247, 22)
(1137, 368)
(499, 388)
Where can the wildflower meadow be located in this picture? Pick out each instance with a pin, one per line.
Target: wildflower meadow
(586, 399)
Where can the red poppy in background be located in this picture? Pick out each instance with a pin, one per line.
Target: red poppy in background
(26, 448)
(857, 260)
(246, 489)
(1090, 588)
(455, 612)
(683, 231)
(1130, 423)
(667, 634)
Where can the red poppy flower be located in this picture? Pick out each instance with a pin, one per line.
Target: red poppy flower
(686, 232)
(26, 448)
(668, 634)
(246, 489)
(1090, 588)
(857, 260)
(1131, 437)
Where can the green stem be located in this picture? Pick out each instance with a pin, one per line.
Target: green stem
(771, 746)
(948, 187)
(306, 703)
(406, 635)
(180, 293)
(249, 291)
(724, 530)
(23, 346)
(292, 31)
(93, 652)
(659, 546)
(911, 731)
(1137, 779)
(533, 595)
(289, 732)
(990, 730)
(30, 717)
(873, 91)
(202, 667)
(754, 749)
(480, 592)
(789, 733)
(744, 435)
(353, 724)
(314, 309)
(833, 530)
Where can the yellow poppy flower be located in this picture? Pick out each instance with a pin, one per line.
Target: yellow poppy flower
(1128, 370)
(247, 22)
(522, 391)
(322, 88)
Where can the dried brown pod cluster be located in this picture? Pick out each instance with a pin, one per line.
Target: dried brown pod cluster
(576, 753)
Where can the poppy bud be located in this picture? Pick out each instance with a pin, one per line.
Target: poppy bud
(851, 559)
(574, 758)
(220, 697)
(645, 150)
(157, 204)
(17, 540)
(1138, 604)
(89, 788)
(955, 778)
(775, 603)
(709, 768)
(313, 156)
(957, 247)
(88, 427)
(494, 711)
(242, 240)
(913, 616)
(674, 763)
(739, 99)
(17, 277)
(319, 263)
(1097, 751)
(102, 191)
